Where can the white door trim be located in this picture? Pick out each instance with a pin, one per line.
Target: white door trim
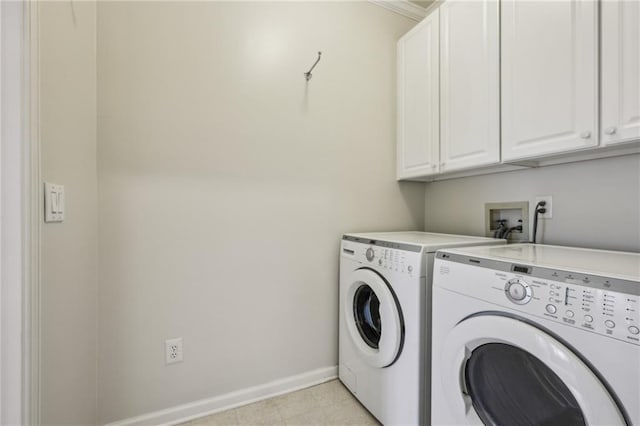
(19, 215)
(33, 214)
(3, 226)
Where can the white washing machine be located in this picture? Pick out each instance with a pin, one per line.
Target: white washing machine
(536, 335)
(384, 294)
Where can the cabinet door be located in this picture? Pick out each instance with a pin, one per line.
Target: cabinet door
(620, 71)
(469, 84)
(549, 77)
(418, 109)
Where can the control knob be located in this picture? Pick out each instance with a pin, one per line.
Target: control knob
(518, 291)
(370, 254)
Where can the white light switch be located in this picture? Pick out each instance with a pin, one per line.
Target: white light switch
(53, 202)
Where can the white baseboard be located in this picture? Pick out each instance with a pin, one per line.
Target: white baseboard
(205, 407)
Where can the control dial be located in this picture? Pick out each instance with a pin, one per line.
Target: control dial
(370, 254)
(518, 291)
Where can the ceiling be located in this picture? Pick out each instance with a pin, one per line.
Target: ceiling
(423, 3)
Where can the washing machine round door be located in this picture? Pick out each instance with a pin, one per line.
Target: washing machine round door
(373, 318)
(500, 370)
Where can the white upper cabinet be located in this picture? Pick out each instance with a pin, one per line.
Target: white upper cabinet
(620, 71)
(549, 77)
(469, 84)
(418, 109)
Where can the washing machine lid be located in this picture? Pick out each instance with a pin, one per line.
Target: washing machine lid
(418, 241)
(501, 369)
(614, 264)
(373, 318)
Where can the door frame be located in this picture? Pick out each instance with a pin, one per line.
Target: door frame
(20, 214)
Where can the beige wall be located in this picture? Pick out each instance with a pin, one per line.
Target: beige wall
(595, 203)
(226, 182)
(69, 249)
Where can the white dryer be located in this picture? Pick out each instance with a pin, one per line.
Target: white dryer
(536, 335)
(384, 294)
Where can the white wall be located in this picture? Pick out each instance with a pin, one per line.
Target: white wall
(69, 249)
(596, 203)
(226, 182)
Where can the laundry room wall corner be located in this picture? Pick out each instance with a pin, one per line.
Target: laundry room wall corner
(413, 194)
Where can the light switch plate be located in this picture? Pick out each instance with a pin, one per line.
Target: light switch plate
(53, 202)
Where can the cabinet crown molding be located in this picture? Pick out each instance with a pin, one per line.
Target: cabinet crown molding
(403, 7)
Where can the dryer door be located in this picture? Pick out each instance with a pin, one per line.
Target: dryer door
(373, 318)
(500, 370)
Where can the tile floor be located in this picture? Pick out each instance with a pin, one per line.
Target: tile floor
(325, 404)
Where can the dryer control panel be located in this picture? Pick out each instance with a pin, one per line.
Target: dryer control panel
(385, 259)
(596, 304)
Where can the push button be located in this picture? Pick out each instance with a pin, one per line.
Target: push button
(569, 314)
(551, 309)
(588, 318)
(634, 330)
(610, 324)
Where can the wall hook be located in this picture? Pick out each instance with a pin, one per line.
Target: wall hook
(307, 74)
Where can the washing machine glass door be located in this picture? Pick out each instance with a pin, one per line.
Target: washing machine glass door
(373, 318)
(500, 370)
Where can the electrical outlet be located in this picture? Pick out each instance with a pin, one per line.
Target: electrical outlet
(173, 350)
(549, 213)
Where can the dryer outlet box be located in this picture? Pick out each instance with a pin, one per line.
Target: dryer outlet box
(511, 214)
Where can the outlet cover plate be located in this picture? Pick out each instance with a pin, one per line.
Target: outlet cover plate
(549, 206)
(173, 350)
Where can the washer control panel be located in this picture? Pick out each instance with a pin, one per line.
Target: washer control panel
(597, 310)
(606, 312)
(576, 301)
